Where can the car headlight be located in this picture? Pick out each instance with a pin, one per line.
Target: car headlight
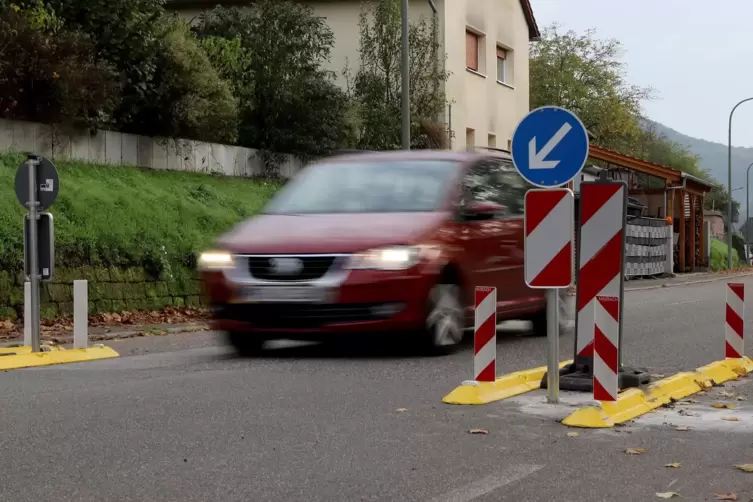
(386, 258)
(216, 260)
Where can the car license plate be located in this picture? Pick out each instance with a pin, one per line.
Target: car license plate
(284, 294)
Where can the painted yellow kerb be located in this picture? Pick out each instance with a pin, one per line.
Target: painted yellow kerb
(635, 402)
(504, 387)
(24, 358)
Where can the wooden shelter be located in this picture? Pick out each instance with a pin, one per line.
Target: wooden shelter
(666, 192)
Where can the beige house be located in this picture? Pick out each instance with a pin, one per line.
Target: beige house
(486, 42)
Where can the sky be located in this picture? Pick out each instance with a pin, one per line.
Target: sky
(697, 56)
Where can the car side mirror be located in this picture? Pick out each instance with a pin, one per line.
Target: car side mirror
(481, 211)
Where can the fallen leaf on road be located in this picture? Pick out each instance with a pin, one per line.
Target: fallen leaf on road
(741, 398)
(673, 465)
(692, 401)
(478, 431)
(725, 496)
(658, 375)
(684, 428)
(727, 394)
(731, 419)
(636, 451)
(723, 405)
(745, 467)
(667, 495)
(400, 410)
(573, 434)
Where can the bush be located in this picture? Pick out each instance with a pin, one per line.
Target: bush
(288, 104)
(127, 34)
(719, 256)
(51, 75)
(119, 216)
(377, 85)
(738, 245)
(191, 99)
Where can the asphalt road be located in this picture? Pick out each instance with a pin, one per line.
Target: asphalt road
(178, 418)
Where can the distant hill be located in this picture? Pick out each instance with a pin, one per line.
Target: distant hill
(713, 158)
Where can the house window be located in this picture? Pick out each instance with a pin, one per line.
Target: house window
(471, 50)
(492, 140)
(502, 65)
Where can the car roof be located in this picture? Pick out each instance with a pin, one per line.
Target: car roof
(395, 155)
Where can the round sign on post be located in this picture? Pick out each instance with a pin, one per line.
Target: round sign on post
(48, 182)
(549, 146)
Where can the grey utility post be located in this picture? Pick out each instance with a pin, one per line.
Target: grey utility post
(729, 184)
(36, 187)
(747, 207)
(32, 164)
(405, 87)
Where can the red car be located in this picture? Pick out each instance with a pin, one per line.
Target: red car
(376, 242)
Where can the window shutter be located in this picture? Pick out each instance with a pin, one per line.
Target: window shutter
(471, 50)
(501, 53)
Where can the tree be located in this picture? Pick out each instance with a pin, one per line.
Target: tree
(287, 102)
(655, 147)
(190, 99)
(376, 86)
(584, 74)
(718, 200)
(127, 35)
(52, 75)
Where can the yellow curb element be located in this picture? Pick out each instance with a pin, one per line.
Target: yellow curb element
(633, 403)
(25, 349)
(28, 359)
(505, 386)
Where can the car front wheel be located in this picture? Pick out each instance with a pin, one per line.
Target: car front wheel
(245, 344)
(444, 320)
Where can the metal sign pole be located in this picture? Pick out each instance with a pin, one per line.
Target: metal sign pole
(553, 336)
(33, 254)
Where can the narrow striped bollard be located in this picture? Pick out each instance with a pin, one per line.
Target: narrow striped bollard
(606, 348)
(485, 335)
(734, 339)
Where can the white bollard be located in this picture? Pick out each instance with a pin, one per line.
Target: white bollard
(27, 314)
(80, 314)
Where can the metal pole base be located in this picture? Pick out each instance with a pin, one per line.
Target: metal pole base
(580, 378)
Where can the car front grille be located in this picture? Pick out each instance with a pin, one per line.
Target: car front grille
(296, 316)
(289, 268)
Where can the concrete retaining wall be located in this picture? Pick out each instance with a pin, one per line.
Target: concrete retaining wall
(108, 147)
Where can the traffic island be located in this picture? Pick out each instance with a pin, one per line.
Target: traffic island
(506, 386)
(633, 403)
(13, 358)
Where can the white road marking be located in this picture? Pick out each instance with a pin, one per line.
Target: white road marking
(684, 303)
(486, 485)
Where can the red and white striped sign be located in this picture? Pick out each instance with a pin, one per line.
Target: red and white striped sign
(602, 215)
(734, 321)
(485, 335)
(606, 347)
(548, 245)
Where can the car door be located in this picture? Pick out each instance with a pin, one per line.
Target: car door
(512, 188)
(482, 240)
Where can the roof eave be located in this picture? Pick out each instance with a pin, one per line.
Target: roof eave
(534, 34)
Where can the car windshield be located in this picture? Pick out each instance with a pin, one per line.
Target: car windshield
(367, 187)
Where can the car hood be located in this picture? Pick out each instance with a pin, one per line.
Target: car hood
(328, 233)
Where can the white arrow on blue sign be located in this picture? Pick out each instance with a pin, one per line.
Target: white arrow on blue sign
(550, 146)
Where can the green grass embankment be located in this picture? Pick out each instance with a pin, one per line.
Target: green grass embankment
(119, 226)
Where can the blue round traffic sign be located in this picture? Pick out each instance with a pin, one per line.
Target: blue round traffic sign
(549, 146)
